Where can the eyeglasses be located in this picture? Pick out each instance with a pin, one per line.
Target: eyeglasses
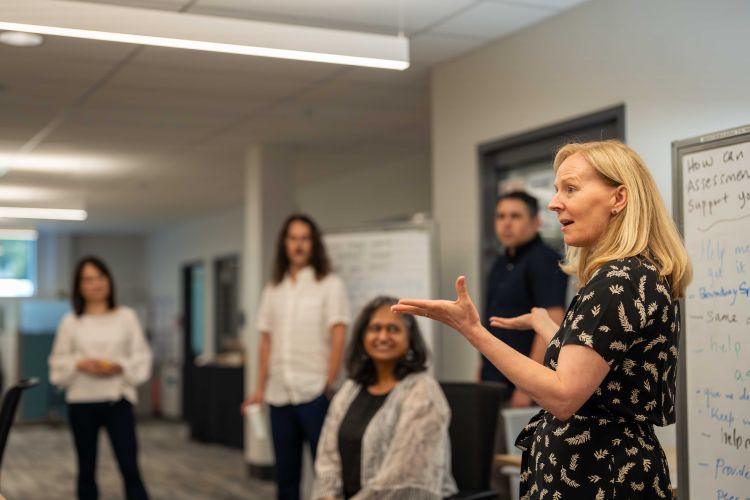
(389, 328)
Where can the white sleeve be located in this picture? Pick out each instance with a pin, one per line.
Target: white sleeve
(63, 359)
(264, 321)
(336, 303)
(136, 365)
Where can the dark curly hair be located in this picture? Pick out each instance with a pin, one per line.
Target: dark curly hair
(360, 366)
(318, 259)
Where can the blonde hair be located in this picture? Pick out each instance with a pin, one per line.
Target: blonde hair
(642, 228)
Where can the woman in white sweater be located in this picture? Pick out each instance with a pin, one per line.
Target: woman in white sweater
(386, 433)
(99, 357)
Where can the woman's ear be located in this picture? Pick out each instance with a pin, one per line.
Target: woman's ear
(619, 199)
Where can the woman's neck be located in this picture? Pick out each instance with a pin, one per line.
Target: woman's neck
(100, 307)
(386, 379)
(294, 269)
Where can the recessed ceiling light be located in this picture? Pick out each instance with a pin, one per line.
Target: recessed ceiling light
(21, 39)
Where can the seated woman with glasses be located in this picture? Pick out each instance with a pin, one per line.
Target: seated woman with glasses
(386, 432)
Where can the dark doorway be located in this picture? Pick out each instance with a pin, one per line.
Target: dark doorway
(193, 322)
(227, 317)
(524, 161)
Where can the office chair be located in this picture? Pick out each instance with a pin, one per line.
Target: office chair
(8, 410)
(515, 419)
(475, 409)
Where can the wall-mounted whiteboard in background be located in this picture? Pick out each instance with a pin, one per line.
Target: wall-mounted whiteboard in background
(397, 261)
(712, 207)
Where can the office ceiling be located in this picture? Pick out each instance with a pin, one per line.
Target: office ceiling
(144, 136)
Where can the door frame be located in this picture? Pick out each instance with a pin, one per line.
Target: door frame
(501, 155)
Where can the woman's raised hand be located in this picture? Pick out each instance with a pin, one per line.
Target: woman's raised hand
(461, 314)
(529, 321)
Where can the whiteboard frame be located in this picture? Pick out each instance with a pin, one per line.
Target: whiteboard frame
(431, 227)
(680, 149)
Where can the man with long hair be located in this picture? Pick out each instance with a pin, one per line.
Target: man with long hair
(302, 318)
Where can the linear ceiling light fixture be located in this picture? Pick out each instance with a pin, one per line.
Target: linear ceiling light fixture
(42, 213)
(209, 33)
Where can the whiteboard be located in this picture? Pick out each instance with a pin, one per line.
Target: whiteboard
(398, 261)
(712, 206)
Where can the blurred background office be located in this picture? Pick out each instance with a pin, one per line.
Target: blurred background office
(184, 163)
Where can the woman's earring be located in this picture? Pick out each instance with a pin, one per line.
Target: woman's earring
(409, 355)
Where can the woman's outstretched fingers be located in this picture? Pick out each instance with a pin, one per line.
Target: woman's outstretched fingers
(421, 303)
(407, 309)
(461, 290)
(522, 322)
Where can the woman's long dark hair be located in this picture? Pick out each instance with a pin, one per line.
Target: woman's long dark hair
(360, 366)
(318, 258)
(79, 303)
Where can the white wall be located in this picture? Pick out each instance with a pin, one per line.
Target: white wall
(55, 265)
(347, 190)
(169, 248)
(676, 64)
(336, 189)
(125, 255)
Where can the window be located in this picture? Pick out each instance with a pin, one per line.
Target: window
(17, 267)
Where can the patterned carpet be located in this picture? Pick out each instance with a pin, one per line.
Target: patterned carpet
(39, 464)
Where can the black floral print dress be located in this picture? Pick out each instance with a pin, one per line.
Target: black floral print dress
(608, 449)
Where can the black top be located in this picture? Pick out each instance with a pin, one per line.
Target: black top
(627, 315)
(608, 449)
(530, 278)
(353, 427)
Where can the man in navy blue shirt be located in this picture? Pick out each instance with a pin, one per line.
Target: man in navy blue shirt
(527, 275)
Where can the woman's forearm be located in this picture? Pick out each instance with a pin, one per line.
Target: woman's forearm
(542, 384)
(546, 328)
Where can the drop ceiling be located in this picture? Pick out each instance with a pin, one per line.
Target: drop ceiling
(145, 136)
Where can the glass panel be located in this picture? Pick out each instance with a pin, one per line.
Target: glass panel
(537, 179)
(17, 268)
(197, 308)
(227, 289)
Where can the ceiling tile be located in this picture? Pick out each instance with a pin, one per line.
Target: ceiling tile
(493, 20)
(194, 61)
(416, 76)
(432, 48)
(183, 119)
(368, 15)
(146, 4)
(553, 4)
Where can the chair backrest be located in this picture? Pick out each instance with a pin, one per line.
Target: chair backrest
(475, 409)
(515, 419)
(8, 410)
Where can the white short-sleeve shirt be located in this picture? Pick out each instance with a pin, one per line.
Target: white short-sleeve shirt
(298, 315)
